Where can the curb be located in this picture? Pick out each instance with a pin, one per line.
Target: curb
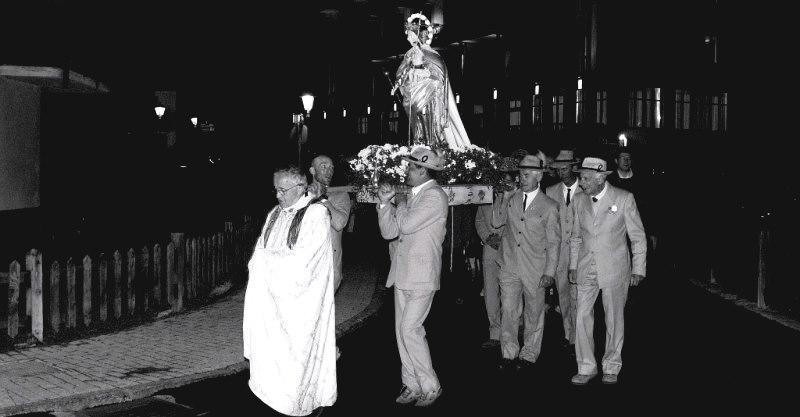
(767, 313)
(78, 402)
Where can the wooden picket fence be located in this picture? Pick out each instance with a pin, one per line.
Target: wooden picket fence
(45, 300)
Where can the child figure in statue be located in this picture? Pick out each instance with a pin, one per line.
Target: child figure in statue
(425, 86)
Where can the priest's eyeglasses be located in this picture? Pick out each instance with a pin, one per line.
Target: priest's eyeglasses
(280, 191)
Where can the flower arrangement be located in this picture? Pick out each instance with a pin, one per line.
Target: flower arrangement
(383, 163)
(470, 165)
(379, 163)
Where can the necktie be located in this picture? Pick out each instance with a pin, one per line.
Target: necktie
(568, 193)
(524, 201)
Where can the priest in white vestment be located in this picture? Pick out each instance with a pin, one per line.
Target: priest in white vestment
(289, 320)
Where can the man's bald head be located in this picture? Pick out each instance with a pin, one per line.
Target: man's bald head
(322, 169)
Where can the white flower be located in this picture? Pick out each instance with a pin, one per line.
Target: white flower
(614, 209)
(470, 164)
(452, 180)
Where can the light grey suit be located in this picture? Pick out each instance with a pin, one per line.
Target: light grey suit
(419, 226)
(340, 200)
(530, 247)
(599, 252)
(567, 293)
(491, 266)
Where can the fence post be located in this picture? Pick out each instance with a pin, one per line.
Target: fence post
(13, 299)
(37, 303)
(117, 284)
(55, 312)
(170, 282)
(102, 287)
(71, 314)
(214, 276)
(131, 282)
(219, 258)
(177, 240)
(763, 238)
(226, 248)
(198, 289)
(201, 263)
(187, 262)
(146, 279)
(87, 291)
(158, 269)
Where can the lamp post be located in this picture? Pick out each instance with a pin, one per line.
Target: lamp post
(308, 104)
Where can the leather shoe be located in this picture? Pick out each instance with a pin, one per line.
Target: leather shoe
(609, 379)
(505, 364)
(490, 344)
(429, 398)
(407, 396)
(581, 379)
(523, 365)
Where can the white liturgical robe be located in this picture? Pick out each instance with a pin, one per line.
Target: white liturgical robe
(289, 321)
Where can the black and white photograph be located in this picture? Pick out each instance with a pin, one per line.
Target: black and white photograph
(397, 208)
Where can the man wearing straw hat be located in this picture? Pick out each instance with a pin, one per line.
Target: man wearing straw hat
(564, 193)
(491, 239)
(418, 225)
(600, 260)
(530, 246)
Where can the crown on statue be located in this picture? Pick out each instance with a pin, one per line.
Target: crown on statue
(418, 23)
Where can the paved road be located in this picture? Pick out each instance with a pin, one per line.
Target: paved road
(685, 351)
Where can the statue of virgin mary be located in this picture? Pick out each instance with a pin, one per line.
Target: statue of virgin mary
(423, 82)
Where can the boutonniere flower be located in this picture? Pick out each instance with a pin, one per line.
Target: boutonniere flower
(613, 208)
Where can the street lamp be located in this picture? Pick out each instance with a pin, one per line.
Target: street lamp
(308, 104)
(194, 121)
(160, 111)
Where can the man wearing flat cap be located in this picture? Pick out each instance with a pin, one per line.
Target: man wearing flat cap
(564, 193)
(600, 260)
(418, 225)
(530, 246)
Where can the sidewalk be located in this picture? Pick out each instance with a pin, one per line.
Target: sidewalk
(168, 353)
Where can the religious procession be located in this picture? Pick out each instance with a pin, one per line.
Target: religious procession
(556, 232)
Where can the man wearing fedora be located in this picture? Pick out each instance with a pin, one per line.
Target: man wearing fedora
(564, 193)
(491, 238)
(530, 245)
(603, 215)
(418, 225)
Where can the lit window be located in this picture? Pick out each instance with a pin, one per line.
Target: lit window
(514, 113)
(477, 110)
(683, 107)
(601, 98)
(579, 107)
(394, 118)
(558, 112)
(537, 107)
(363, 125)
(644, 108)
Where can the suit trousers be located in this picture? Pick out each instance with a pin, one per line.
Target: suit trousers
(614, 298)
(411, 307)
(567, 294)
(512, 290)
(491, 290)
